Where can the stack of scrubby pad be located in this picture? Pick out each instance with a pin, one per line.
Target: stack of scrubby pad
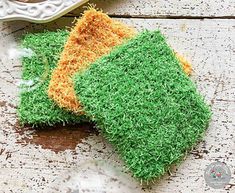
(133, 86)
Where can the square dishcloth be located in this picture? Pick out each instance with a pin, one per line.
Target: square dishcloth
(94, 35)
(144, 104)
(35, 107)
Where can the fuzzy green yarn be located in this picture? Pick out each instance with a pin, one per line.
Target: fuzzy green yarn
(35, 107)
(144, 104)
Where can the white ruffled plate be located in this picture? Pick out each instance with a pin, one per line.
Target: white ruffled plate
(40, 12)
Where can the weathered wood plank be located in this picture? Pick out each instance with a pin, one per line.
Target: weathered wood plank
(29, 164)
(165, 8)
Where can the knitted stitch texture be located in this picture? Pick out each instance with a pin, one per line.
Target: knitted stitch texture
(94, 35)
(35, 107)
(144, 104)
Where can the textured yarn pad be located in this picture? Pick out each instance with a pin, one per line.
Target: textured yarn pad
(94, 35)
(144, 103)
(35, 107)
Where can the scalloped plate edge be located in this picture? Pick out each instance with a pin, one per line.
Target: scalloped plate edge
(16, 10)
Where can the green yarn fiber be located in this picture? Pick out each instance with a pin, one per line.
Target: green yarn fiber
(144, 104)
(35, 108)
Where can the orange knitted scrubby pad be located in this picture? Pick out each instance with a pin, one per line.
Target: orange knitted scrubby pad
(94, 35)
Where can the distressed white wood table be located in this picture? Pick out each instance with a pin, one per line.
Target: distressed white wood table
(60, 159)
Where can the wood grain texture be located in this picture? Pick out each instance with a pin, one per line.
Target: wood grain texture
(165, 8)
(29, 164)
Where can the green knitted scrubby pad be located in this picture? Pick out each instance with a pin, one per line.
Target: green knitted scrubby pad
(144, 104)
(35, 107)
